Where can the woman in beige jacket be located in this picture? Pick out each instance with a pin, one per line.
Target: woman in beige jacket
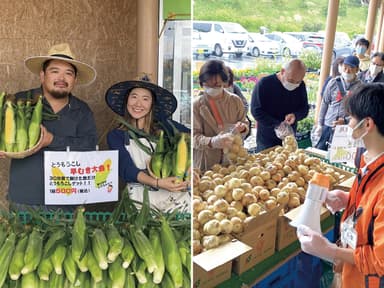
(217, 115)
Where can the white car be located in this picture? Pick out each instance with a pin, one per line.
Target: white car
(289, 45)
(259, 45)
(199, 46)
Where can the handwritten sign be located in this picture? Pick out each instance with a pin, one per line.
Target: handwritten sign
(75, 178)
(342, 149)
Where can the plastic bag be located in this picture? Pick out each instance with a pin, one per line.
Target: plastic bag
(315, 134)
(283, 130)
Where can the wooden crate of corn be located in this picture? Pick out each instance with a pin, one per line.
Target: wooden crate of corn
(147, 249)
(19, 124)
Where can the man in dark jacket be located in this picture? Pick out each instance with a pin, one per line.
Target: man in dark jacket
(277, 98)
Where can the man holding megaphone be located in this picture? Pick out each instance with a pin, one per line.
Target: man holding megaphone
(361, 253)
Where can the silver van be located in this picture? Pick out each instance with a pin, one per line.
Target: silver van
(223, 37)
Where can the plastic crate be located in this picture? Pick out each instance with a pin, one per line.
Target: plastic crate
(280, 278)
(26, 217)
(309, 270)
(303, 139)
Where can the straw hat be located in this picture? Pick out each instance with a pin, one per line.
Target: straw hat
(86, 74)
(165, 102)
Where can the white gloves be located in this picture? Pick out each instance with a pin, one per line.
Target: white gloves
(316, 244)
(336, 200)
(222, 141)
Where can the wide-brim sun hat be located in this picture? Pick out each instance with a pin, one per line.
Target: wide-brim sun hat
(165, 102)
(86, 74)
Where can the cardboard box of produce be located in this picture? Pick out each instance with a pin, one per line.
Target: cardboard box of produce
(260, 234)
(214, 266)
(286, 234)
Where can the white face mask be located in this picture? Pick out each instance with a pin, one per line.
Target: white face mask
(348, 76)
(340, 68)
(214, 92)
(290, 86)
(356, 142)
(374, 69)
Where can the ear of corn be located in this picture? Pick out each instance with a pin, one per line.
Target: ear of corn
(34, 125)
(127, 253)
(6, 253)
(45, 268)
(130, 281)
(99, 248)
(115, 243)
(117, 274)
(33, 252)
(57, 258)
(138, 267)
(166, 167)
(143, 248)
(154, 237)
(79, 235)
(70, 268)
(158, 155)
(171, 254)
(56, 280)
(31, 280)
(94, 267)
(2, 97)
(181, 158)
(82, 263)
(54, 238)
(17, 262)
(21, 131)
(9, 127)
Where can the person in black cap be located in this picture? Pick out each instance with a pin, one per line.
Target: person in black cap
(147, 108)
(332, 104)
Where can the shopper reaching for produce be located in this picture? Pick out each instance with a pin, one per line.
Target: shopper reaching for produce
(279, 98)
(72, 124)
(147, 109)
(361, 255)
(217, 116)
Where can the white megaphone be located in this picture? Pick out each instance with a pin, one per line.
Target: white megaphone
(309, 214)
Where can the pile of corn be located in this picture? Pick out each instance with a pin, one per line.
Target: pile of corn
(19, 123)
(141, 252)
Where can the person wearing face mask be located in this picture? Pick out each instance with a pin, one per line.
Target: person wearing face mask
(332, 104)
(280, 97)
(375, 71)
(359, 257)
(362, 46)
(217, 115)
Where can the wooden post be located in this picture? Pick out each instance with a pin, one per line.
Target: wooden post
(370, 25)
(330, 31)
(147, 38)
(379, 28)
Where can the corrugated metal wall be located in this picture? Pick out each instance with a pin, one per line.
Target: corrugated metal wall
(100, 33)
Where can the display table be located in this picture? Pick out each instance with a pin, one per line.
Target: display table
(262, 270)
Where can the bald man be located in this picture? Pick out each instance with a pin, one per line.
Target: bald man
(280, 97)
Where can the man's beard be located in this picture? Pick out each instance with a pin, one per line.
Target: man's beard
(59, 94)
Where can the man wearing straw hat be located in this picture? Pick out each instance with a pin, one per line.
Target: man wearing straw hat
(72, 124)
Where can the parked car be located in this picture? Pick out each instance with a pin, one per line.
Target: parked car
(301, 36)
(289, 45)
(199, 46)
(223, 37)
(259, 45)
(342, 46)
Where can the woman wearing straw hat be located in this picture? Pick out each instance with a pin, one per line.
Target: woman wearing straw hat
(146, 108)
(73, 127)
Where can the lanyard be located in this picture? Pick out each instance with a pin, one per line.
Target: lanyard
(216, 113)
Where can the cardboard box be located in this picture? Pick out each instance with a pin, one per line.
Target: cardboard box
(260, 234)
(286, 234)
(214, 266)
